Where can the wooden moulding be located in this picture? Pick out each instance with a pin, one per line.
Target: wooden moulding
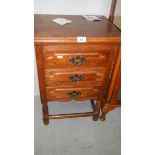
(111, 101)
(46, 31)
(105, 40)
(116, 76)
(57, 78)
(95, 113)
(72, 115)
(40, 70)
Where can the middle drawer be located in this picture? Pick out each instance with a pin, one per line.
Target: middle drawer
(75, 75)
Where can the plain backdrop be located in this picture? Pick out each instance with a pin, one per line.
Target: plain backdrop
(73, 7)
(17, 73)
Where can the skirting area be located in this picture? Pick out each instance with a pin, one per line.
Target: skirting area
(76, 136)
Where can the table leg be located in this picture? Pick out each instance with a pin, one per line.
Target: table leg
(45, 113)
(97, 110)
(102, 117)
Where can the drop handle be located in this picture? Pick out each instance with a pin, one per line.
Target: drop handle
(76, 78)
(78, 60)
(74, 93)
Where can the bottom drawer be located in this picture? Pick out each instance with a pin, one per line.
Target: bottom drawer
(72, 93)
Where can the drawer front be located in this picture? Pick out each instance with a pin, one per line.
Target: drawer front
(72, 93)
(75, 76)
(77, 58)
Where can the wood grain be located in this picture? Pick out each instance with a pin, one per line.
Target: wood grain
(94, 55)
(56, 76)
(62, 94)
(47, 30)
(68, 70)
(111, 101)
(41, 75)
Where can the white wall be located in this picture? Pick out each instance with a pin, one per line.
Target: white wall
(74, 7)
(118, 8)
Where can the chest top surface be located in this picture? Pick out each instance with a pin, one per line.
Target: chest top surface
(46, 29)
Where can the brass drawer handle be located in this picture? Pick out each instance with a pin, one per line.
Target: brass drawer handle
(74, 93)
(78, 60)
(76, 78)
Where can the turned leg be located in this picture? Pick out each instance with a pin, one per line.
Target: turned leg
(45, 113)
(96, 109)
(93, 105)
(103, 110)
(102, 117)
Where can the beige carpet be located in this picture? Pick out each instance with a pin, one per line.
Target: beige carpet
(77, 136)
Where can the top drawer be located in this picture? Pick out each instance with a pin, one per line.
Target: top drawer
(78, 56)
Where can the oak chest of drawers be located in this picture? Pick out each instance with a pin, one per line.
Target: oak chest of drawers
(72, 70)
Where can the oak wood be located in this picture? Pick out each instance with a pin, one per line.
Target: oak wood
(114, 75)
(60, 93)
(97, 110)
(114, 102)
(41, 75)
(72, 115)
(111, 101)
(94, 55)
(70, 75)
(61, 61)
(75, 84)
(45, 113)
(117, 87)
(48, 31)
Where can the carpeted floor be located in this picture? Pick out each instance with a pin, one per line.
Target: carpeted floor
(76, 136)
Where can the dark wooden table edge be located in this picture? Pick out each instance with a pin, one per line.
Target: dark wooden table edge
(73, 40)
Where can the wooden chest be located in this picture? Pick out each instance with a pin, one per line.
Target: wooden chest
(72, 70)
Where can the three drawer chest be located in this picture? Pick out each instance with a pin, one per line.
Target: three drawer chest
(74, 61)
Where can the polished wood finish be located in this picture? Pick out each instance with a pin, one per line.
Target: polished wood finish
(72, 93)
(69, 70)
(79, 27)
(93, 55)
(73, 115)
(72, 76)
(112, 101)
(45, 113)
(41, 75)
(114, 75)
